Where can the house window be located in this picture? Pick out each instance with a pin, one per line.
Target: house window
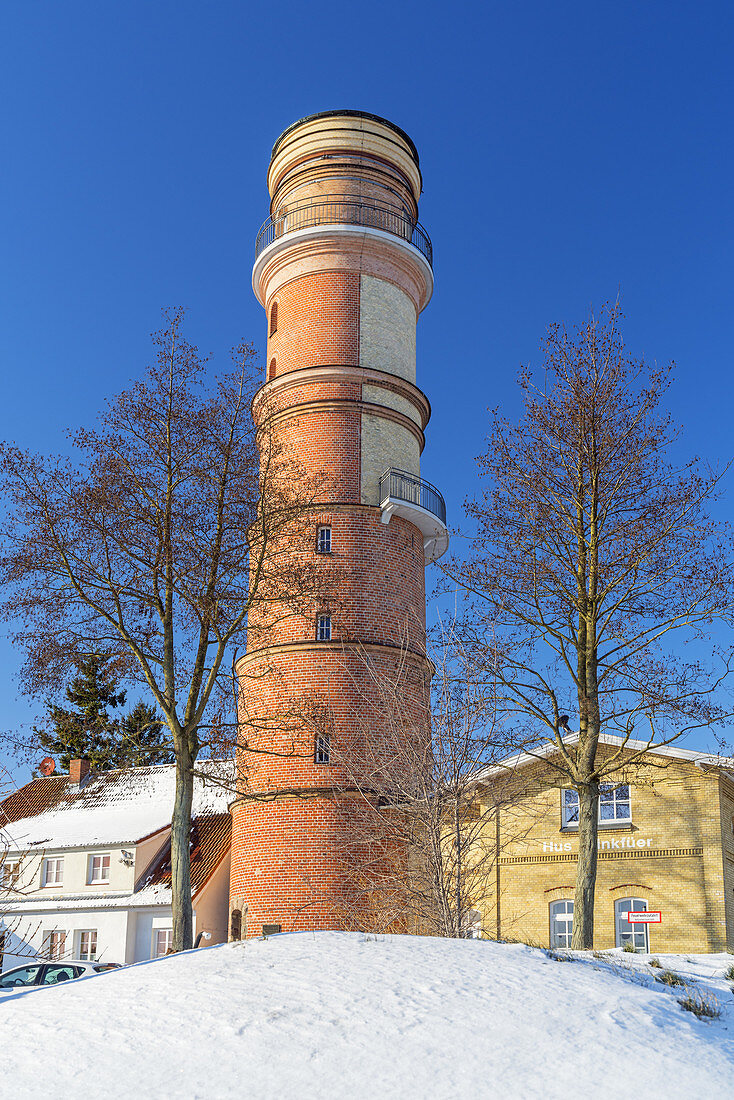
(323, 628)
(471, 925)
(629, 932)
(162, 942)
(54, 944)
(53, 872)
(614, 805)
(561, 923)
(570, 807)
(322, 751)
(87, 949)
(323, 540)
(11, 874)
(99, 869)
(614, 802)
(273, 318)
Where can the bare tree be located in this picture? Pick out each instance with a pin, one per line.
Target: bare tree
(593, 553)
(156, 544)
(418, 838)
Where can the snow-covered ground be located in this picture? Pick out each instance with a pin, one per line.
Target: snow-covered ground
(352, 1015)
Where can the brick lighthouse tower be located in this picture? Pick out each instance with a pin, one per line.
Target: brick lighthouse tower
(343, 269)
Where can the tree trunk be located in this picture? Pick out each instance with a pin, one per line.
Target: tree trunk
(583, 903)
(183, 917)
(458, 930)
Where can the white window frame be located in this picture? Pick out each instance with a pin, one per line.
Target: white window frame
(168, 932)
(58, 871)
(571, 807)
(90, 955)
(625, 931)
(558, 916)
(97, 880)
(323, 628)
(323, 539)
(53, 944)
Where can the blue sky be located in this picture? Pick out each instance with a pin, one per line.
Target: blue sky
(568, 150)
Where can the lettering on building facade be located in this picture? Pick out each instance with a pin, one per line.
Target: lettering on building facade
(605, 844)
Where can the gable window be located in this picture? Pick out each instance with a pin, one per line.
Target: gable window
(323, 628)
(322, 752)
(561, 922)
(53, 872)
(11, 874)
(323, 540)
(629, 932)
(614, 805)
(99, 869)
(87, 945)
(162, 942)
(273, 318)
(54, 944)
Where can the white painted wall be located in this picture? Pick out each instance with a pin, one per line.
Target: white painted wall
(27, 932)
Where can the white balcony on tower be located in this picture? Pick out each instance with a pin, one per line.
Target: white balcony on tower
(404, 494)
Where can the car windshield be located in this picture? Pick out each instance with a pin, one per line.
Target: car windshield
(23, 975)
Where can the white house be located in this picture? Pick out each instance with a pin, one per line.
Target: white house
(86, 863)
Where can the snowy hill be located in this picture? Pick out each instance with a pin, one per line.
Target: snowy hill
(349, 1015)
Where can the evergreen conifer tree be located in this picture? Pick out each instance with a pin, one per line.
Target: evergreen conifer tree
(86, 728)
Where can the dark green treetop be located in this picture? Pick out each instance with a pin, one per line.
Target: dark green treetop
(88, 727)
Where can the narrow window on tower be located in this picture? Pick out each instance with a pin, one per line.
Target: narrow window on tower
(322, 751)
(273, 318)
(271, 369)
(323, 628)
(323, 540)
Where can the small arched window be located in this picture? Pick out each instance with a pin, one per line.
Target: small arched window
(271, 369)
(273, 318)
(235, 925)
(561, 922)
(323, 628)
(322, 748)
(323, 540)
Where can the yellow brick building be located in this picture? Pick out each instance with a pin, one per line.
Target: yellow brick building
(666, 844)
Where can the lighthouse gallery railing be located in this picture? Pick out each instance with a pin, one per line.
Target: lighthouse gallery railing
(344, 212)
(399, 485)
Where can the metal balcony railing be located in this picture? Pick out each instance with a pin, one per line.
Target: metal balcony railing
(337, 211)
(399, 485)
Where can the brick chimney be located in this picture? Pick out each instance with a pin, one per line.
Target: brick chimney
(79, 770)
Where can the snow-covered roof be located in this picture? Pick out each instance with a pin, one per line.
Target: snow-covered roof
(118, 807)
(549, 748)
(148, 896)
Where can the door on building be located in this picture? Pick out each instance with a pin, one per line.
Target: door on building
(627, 932)
(561, 923)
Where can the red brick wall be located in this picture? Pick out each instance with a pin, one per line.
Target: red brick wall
(286, 864)
(286, 861)
(318, 322)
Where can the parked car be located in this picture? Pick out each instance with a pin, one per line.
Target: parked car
(39, 974)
